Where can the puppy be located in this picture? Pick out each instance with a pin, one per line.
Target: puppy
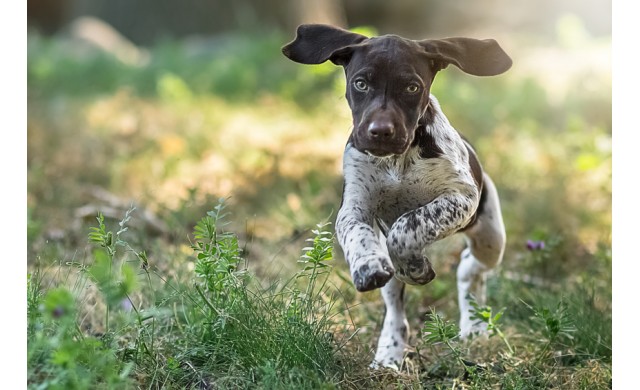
(410, 179)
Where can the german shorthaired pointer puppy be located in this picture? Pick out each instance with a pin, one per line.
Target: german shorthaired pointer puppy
(410, 178)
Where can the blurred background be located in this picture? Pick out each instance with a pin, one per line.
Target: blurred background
(170, 106)
(145, 22)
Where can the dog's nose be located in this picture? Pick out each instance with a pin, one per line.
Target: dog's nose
(380, 129)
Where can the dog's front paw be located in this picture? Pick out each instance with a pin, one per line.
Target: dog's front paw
(416, 270)
(371, 272)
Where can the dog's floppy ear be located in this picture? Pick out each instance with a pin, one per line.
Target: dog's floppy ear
(474, 56)
(316, 43)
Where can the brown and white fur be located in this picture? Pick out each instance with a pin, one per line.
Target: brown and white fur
(410, 178)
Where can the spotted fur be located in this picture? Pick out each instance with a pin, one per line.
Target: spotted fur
(422, 200)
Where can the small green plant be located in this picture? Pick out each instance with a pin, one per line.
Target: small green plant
(555, 326)
(485, 315)
(314, 258)
(437, 330)
(218, 257)
(60, 356)
(277, 336)
(115, 283)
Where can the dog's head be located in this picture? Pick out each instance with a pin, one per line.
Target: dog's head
(389, 77)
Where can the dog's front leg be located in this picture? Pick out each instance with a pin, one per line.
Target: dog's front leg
(416, 229)
(369, 264)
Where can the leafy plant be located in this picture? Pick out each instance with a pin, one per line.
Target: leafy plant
(115, 283)
(556, 325)
(485, 315)
(60, 356)
(218, 254)
(437, 330)
(314, 258)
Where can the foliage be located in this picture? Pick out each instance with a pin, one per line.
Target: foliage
(218, 255)
(485, 315)
(235, 332)
(533, 364)
(60, 354)
(237, 67)
(231, 331)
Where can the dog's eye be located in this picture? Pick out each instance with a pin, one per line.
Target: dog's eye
(360, 85)
(412, 88)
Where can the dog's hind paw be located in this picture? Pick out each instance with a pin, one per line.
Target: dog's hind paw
(469, 330)
(376, 365)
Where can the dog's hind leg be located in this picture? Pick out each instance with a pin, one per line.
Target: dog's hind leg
(486, 240)
(395, 328)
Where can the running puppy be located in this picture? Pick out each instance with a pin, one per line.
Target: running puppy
(410, 178)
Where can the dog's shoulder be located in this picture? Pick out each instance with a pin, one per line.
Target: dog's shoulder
(436, 137)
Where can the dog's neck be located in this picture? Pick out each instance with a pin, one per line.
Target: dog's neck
(424, 139)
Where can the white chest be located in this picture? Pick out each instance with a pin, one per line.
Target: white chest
(394, 186)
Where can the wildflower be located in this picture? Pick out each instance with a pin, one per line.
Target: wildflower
(126, 305)
(535, 245)
(57, 312)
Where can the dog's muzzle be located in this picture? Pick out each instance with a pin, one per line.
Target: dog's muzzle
(381, 142)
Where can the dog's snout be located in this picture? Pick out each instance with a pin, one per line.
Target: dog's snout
(381, 129)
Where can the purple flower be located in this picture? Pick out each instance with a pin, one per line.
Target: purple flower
(535, 245)
(126, 305)
(58, 312)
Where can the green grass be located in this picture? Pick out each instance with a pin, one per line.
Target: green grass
(221, 327)
(175, 293)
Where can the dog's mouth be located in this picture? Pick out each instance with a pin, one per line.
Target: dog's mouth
(379, 153)
(383, 152)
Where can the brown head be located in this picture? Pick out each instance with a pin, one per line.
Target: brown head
(389, 77)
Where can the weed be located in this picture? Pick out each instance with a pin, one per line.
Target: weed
(60, 354)
(485, 315)
(555, 325)
(314, 258)
(218, 256)
(224, 329)
(277, 336)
